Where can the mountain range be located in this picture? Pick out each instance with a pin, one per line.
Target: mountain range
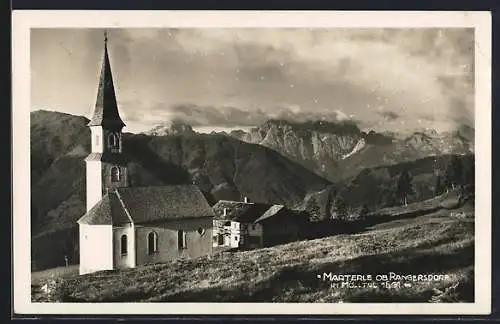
(338, 151)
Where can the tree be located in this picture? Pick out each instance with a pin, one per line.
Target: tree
(404, 187)
(387, 197)
(339, 209)
(439, 188)
(314, 210)
(470, 175)
(329, 202)
(363, 211)
(454, 174)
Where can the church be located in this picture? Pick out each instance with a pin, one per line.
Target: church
(123, 226)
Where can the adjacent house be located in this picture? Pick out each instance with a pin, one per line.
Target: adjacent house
(129, 226)
(249, 225)
(226, 233)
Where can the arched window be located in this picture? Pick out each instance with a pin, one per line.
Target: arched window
(123, 244)
(152, 242)
(112, 140)
(181, 239)
(115, 174)
(201, 231)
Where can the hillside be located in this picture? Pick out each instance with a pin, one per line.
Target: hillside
(440, 241)
(223, 167)
(373, 187)
(338, 151)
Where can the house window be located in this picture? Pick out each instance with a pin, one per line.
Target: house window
(201, 231)
(115, 174)
(123, 244)
(236, 238)
(253, 226)
(181, 239)
(152, 243)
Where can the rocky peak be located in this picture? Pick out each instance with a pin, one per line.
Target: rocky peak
(175, 127)
(320, 126)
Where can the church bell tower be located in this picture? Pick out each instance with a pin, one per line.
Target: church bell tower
(106, 166)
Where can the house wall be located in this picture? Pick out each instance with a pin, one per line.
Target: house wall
(197, 245)
(255, 230)
(124, 260)
(252, 235)
(218, 228)
(233, 239)
(231, 233)
(279, 231)
(96, 248)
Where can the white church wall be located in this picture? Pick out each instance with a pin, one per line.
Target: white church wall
(97, 139)
(96, 248)
(197, 243)
(127, 260)
(94, 183)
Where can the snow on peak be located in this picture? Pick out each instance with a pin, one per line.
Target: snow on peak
(358, 147)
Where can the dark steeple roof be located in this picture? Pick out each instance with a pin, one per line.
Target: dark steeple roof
(106, 109)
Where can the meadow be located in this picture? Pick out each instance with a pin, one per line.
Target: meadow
(437, 240)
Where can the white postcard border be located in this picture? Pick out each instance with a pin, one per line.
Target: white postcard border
(23, 21)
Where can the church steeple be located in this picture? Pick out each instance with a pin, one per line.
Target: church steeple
(106, 109)
(106, 165)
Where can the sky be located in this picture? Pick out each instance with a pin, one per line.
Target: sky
(221, 79)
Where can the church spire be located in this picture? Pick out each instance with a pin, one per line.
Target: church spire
(106, 109)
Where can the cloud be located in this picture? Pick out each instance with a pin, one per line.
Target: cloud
(227, 116)
(244, 76)
(389, 115)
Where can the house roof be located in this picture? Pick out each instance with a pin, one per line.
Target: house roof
(272, 211)
(239, 211)
(106, 109)
(246, 212)
(149, 204)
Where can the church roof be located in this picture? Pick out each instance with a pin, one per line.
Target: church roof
(108, 211)
(106, 109)
(149, 204)
(119, 158)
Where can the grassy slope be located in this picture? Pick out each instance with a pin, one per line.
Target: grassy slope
(437, 242)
